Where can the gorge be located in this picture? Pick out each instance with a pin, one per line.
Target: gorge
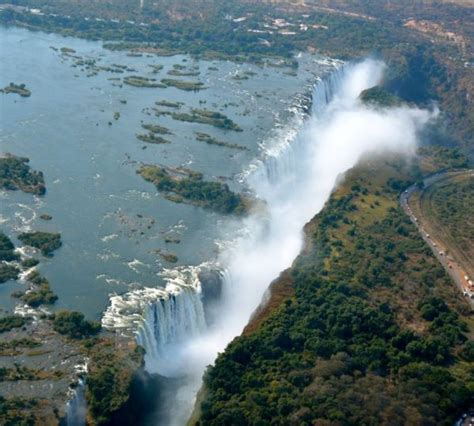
(293, 180)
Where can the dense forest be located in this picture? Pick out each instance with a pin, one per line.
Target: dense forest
(374, 333)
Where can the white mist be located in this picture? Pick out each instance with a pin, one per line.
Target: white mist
(295, 182)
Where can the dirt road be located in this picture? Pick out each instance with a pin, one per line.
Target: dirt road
(455, 265)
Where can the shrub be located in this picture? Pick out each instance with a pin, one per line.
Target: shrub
(74, 325)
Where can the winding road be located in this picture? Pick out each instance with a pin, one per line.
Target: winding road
(454, 265)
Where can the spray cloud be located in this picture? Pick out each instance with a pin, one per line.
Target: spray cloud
(295, 184)
(294, 180)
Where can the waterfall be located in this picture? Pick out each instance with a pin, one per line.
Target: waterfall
(162, 318)
(300, 168)
(283, 160)
(76, 408)
(295, 178)
(167, 323)
(326, 89)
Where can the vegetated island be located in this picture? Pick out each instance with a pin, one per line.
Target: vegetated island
(39, 293)
(15, 174)
(204, 137)
(155, 128)
(7, 254)
(186, 186)
(137, 81)
(152, 138)
(11, 263)
(8, 272)
(153, 135)
(202, 116)
(188, 86)
(169, 104)
(156, 68)
(178, 73)
(19, 89)
(67, 50)
(10, 322)
(7, 249)
(47, 242)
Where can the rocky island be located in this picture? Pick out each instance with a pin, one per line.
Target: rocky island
(152, 138)
(46, 242)
(19, 89)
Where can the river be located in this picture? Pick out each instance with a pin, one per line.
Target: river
(111, 220)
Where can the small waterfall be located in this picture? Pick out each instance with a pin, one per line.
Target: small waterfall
(77, 406)
(162, 318)
(168, 322)
(326, 88)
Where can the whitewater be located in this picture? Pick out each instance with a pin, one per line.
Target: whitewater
(293, 180)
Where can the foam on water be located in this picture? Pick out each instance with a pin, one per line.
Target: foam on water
(136, 264)
(109, 237)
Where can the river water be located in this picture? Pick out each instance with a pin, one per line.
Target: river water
(111, 220)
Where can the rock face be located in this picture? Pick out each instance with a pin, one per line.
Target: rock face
(211, 286)
(280, 290)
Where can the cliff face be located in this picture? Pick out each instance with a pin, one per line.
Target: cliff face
(115, 363)
(364, 328)
(278, 292)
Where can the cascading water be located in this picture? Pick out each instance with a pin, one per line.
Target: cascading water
(166, 324)
(77, 407)
(294, 179)
(162, 318)
(326, 89)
